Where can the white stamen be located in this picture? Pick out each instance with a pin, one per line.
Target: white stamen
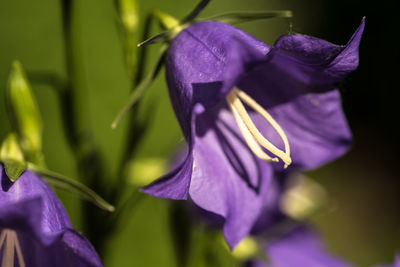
(8, 251)
(2, 238)
(250, 132)
(251, 142)
(11, 245)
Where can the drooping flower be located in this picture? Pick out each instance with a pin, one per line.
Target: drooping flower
(293, 114)
(300, 247)
(35, 229)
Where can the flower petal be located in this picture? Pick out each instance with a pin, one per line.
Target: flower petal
(297, 85)
(271, 212)
(29, 204)
(315, 126)
(174, 185)
(227, 179)
(195, 65)
(29, 207)
(298, 65)
(72, 249)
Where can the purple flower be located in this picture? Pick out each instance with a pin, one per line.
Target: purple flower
(299, 248)
(293, 111)
(35, 229)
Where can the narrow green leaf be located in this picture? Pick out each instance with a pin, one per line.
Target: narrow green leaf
(141, 88)
(159, 38)
(240, 17)
(62, 182)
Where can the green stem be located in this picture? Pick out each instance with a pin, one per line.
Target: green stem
(135, 128)
(74, 101)
(181, 224)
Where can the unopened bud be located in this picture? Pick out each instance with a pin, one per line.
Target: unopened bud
(24, 113)
(129, 14)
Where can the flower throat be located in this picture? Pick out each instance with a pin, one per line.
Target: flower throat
(250, 132)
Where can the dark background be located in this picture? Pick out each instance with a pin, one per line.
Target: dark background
(364, 226)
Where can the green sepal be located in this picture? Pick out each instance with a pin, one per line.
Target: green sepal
(63, 182)
(166, 20)
(162, 37)
(12, 158)
(14, 168)
(172, 26)
(240, 17)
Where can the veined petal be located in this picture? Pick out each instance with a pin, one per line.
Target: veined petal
(72, 249)
(297, 85)
(29, 203)
(228, 179)
(174, 185)
(316, 128)
(195, 66)
(297, 65)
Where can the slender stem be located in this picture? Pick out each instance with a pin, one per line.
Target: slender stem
(195, 12)
(74, 101)
(135, 128)
(181, 232)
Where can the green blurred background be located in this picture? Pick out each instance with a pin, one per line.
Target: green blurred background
(364, 226)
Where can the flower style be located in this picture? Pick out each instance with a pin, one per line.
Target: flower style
(293, 114)
(301, 247)
(35, 229)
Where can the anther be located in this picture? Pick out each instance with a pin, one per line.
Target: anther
(250, 133)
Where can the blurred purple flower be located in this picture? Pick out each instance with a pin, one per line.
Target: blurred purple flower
(300, 247)
(210, 67)
(34, 228)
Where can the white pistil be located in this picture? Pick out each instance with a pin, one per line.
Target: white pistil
(251, 134)
(9, 239)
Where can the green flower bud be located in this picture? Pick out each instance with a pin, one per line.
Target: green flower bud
(129, 14)
(24, 113)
